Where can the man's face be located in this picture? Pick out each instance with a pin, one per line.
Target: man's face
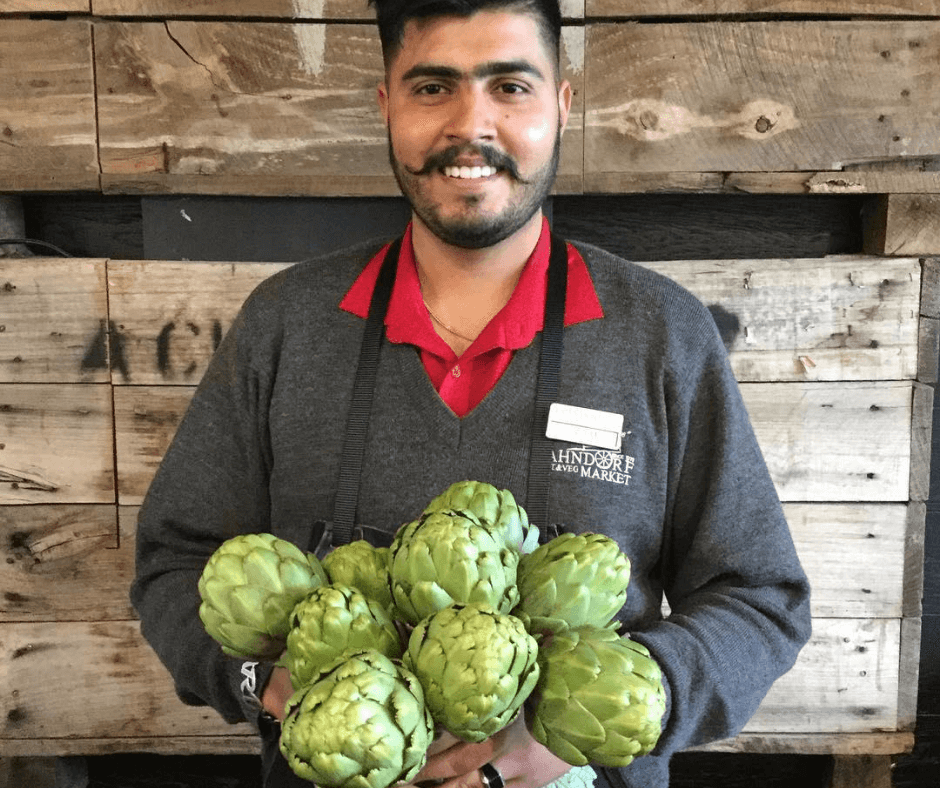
(474, 118)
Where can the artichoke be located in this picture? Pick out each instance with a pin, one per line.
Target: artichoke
(334, 621)
(445, 558)
(362, 724)
(497, 510)
(248, 588)
(477, 667)
(574, 580)
(599, 699)
(363, 566)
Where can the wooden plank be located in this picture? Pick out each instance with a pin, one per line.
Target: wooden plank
(822, 442)
(854, 556)
(827, 181)
(905, 224)
(282, 9)
(56, 444)
(45, 6)
(920, 440)
(834, 442)
(47, 94)
(759, 96)
(836, 318)
(53, 323)
(930, 287)
(708, 8)
(909, 670)
(170, 317)
(845, 680)
(216, 107)
(914, 555)
(882, 743)
(861, 771)
(64, 563)
(108, 682)
(242, 742)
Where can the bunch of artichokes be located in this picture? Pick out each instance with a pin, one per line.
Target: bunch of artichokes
(458, 625)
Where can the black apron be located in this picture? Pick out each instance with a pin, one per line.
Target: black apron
(344, 528)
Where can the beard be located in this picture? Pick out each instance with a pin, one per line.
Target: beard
(475, 228)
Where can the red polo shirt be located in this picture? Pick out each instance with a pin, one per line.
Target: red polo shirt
(463, 382)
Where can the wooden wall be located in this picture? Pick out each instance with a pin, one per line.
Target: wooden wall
(837, 355)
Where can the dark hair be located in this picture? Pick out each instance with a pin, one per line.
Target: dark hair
(393, 15)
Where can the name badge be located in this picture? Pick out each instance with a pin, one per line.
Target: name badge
(584, 425)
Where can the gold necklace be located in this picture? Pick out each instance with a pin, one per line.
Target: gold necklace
(446, 327)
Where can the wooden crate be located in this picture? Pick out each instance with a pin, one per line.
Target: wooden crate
(826, 351)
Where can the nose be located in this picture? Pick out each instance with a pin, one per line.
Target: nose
(472, 116)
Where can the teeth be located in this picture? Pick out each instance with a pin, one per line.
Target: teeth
(469, 172)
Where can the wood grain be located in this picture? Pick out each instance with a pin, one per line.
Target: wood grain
(774, 96)
(64, 563)
(56, 444)
(53, 321)
(44, 6)
(224, 107)
(906, 224)
(708, 8)
(47, 95)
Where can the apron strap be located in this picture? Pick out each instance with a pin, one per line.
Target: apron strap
(357, 422)
(540, 450)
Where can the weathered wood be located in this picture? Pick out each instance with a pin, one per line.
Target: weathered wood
(696, 8)
(56, 444)
(928, 350)
(53, 321)
(921, 432)
(775, 96)
(259, 108)
(861, 771)
(909, 672)
(836, 318)
(905, 224)
(914, 555)
(91, 680)
(47, 95)
(834, 442)
(930, 287)
(44, 6)
(170, 317)
(809, 743)
(854, 556)
(283, 9)
(735, 182)
(64, 563)
(822, 442)
(845, 680)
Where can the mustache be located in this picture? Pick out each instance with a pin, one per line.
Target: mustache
(449, 156)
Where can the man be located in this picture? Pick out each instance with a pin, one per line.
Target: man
(475, 110)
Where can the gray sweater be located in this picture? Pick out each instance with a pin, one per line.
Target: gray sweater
(688, 497)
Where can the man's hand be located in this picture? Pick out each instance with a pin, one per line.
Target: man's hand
(520, 759)
(276, 692)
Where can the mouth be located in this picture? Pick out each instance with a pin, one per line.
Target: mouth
(469, 173)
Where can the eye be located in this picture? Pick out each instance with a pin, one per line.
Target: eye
(429, 89)
(512, 88)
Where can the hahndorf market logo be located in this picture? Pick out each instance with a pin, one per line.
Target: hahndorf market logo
(591, 463)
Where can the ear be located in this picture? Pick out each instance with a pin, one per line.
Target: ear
(382, 99)
(564, 103)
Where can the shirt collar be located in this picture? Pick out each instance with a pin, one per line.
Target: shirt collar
(512, 328)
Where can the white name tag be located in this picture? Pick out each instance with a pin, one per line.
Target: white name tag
(584, 425)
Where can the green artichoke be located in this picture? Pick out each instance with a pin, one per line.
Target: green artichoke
(248, 588)
(574, 580)
(477, 667)
(334, 621)
(599, 699)
(496, 509)
(363, 566)
(362, 724)
(445, 558)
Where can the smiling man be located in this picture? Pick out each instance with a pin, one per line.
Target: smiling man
(353, 388)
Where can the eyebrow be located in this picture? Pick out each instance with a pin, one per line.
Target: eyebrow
(489, 69)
